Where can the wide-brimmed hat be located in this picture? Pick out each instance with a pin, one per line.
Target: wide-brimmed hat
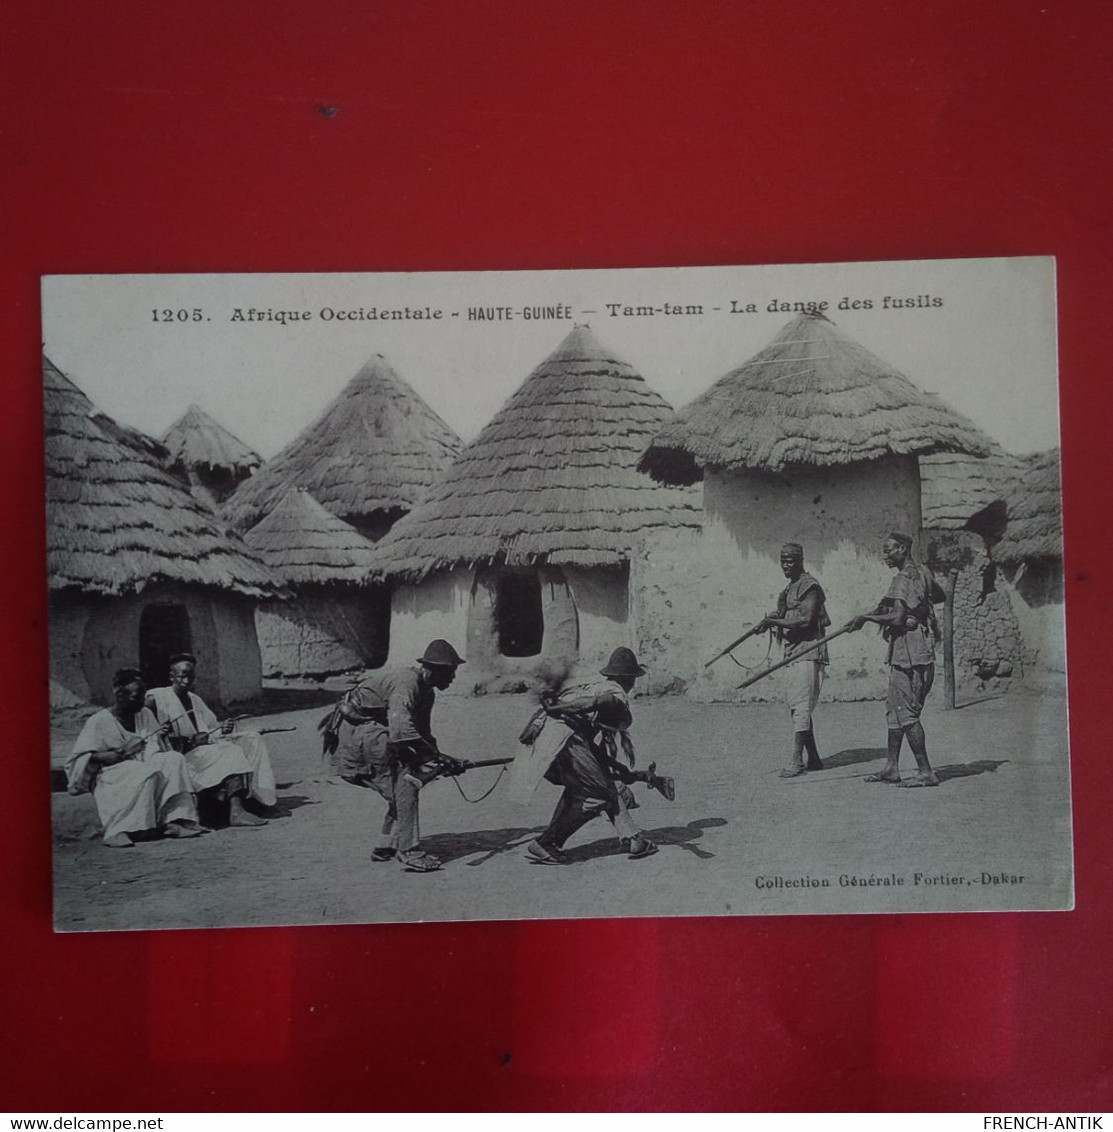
(623, 662)
(441, 653)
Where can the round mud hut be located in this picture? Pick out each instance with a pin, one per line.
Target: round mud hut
(813, 440)
(207, 456)
(536, 552)
(337, 618)
(138, 569)
(368, 459)
(1030, 556)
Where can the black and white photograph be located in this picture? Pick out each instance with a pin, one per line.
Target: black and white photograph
(555, 594)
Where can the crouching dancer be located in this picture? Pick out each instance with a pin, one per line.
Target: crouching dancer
(123, 758)
(381, 733)
(582, 757)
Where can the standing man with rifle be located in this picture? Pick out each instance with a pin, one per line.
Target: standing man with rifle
(799, 621)
(382, 733)
(908, 624)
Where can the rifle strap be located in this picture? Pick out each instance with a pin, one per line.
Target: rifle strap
(474, 801)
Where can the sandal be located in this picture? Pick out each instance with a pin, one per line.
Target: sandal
(537, 854)
(421, 863)
(639, 847)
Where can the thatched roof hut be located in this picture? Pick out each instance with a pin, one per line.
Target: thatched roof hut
(304, 544)
(137, 568)
(207, 456)
(338, 620)
(116, 519)
(961, 492)
(1034, 533)
(815, 397)
(369, 458)
(552, 478)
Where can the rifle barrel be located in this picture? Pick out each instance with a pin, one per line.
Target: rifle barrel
(789, 659)
(730, 648)
(471, 765)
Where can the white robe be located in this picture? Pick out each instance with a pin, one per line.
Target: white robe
(144, 792)
(242, 752)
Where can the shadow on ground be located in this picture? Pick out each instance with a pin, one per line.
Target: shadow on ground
(490, 842)
(968, 770)
(682, 836)
(494, 842)
(852, 756)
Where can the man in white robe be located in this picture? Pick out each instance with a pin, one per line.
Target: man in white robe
(235, 763)
(122, 757)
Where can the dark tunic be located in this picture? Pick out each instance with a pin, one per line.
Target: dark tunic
(790, 605)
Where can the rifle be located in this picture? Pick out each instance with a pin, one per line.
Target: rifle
(752, 632)
(442, 770)
(796, 656)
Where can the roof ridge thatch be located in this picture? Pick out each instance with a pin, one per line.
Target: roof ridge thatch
(376, 448)
(812, 396)
(551, 478)
(117, 520)
(1034, 532)
(195, 440)
(304, 543)
(955, 487)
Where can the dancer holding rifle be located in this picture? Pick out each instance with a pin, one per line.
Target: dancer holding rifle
(381, 732)
(908, 624)
(800, 620)
(578, 751)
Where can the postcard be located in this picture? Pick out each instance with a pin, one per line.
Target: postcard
(555, 594)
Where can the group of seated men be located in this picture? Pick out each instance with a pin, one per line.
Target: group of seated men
(146, 759)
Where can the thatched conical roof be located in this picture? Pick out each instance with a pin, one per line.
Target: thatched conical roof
(116, 519)
(195, 440)
(552, 477)
(304, 544)
(812, 396)
(955, 488)
(376, 448)
(1035, 513)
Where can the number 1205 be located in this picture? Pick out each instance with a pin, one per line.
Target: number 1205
(181, 315)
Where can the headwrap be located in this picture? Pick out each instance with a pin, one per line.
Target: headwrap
(793, 548)
(899, 536)
(182, 657)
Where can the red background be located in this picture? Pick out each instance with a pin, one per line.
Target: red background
(143, 137)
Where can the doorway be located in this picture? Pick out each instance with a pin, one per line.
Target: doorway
(519, 620)
(163, 631)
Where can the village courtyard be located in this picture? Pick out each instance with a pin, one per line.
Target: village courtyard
(994, 835)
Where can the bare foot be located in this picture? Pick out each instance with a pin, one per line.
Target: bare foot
(119, 841)
(883, 776)
(182, 829)
(920, 780)
(239, 817)
(792, 772)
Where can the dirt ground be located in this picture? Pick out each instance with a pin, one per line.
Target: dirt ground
(738, 839)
